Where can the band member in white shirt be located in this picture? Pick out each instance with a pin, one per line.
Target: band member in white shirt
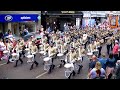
(34, 50)
(9, 47)
(18, 49)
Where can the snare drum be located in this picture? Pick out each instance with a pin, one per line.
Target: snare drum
(30, 58)
(69, 69)
(27, 52)
(89, 55)
(47, 64)
(68, 66)
(15, 56)
(60, 55)
(42, 52)
(6, 52)
(27, 49)
(46, 59)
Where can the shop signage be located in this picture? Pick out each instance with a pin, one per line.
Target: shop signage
(19, 17)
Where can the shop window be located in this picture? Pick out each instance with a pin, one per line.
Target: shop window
(1, 27)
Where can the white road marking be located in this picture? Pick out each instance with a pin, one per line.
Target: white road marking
(3, 64)
(43, 73)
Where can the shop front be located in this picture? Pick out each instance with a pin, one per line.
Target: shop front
(61, 18)
(17, 22)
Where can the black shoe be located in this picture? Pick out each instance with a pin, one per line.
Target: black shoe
(80, 67)
(15, 66)
(74, 73)
(64, 62)
(70, 76)
(31, 68)
(60, 66)
(53, 66)
(37, 65)
(8, 62)
(22, 62)
(49, 71)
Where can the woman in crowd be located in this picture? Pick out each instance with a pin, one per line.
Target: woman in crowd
(115, 50)
(98, 72)
(110, 64)
(103, 61)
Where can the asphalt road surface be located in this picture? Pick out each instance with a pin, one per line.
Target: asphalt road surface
(8, 71)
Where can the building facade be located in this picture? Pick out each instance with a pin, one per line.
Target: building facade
(19, 20)
(60, 18)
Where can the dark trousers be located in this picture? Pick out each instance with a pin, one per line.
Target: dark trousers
(35, 62)
(99, 49)
(19, 59)
(51, 66)
(9, 59)
(119, 55)
(111, 46)
(85, 45)
(116, 57)
(108, 49)
(17, 62)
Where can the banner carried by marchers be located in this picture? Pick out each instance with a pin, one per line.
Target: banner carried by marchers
(113, 21)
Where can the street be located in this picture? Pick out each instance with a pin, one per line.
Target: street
(8, 71)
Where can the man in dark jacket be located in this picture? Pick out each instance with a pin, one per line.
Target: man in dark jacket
(93, 62)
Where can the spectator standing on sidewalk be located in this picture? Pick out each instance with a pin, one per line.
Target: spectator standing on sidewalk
(93, 62)
(115, 50)
(110, 65)
(97, 72)
(103, 61)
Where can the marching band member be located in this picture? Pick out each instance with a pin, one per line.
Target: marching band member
(37, 42)
(108, 45)
(29, 43)
(85, 39)
(9, 48)
(90, 47)
(22, 45)
(34, 50)
(17, 49)
(72, 55)
(99, 47)
(51, 53)
(79, 53)
(67, 38)
(83, 51)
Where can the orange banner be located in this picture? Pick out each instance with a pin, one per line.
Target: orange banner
(113, 21)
